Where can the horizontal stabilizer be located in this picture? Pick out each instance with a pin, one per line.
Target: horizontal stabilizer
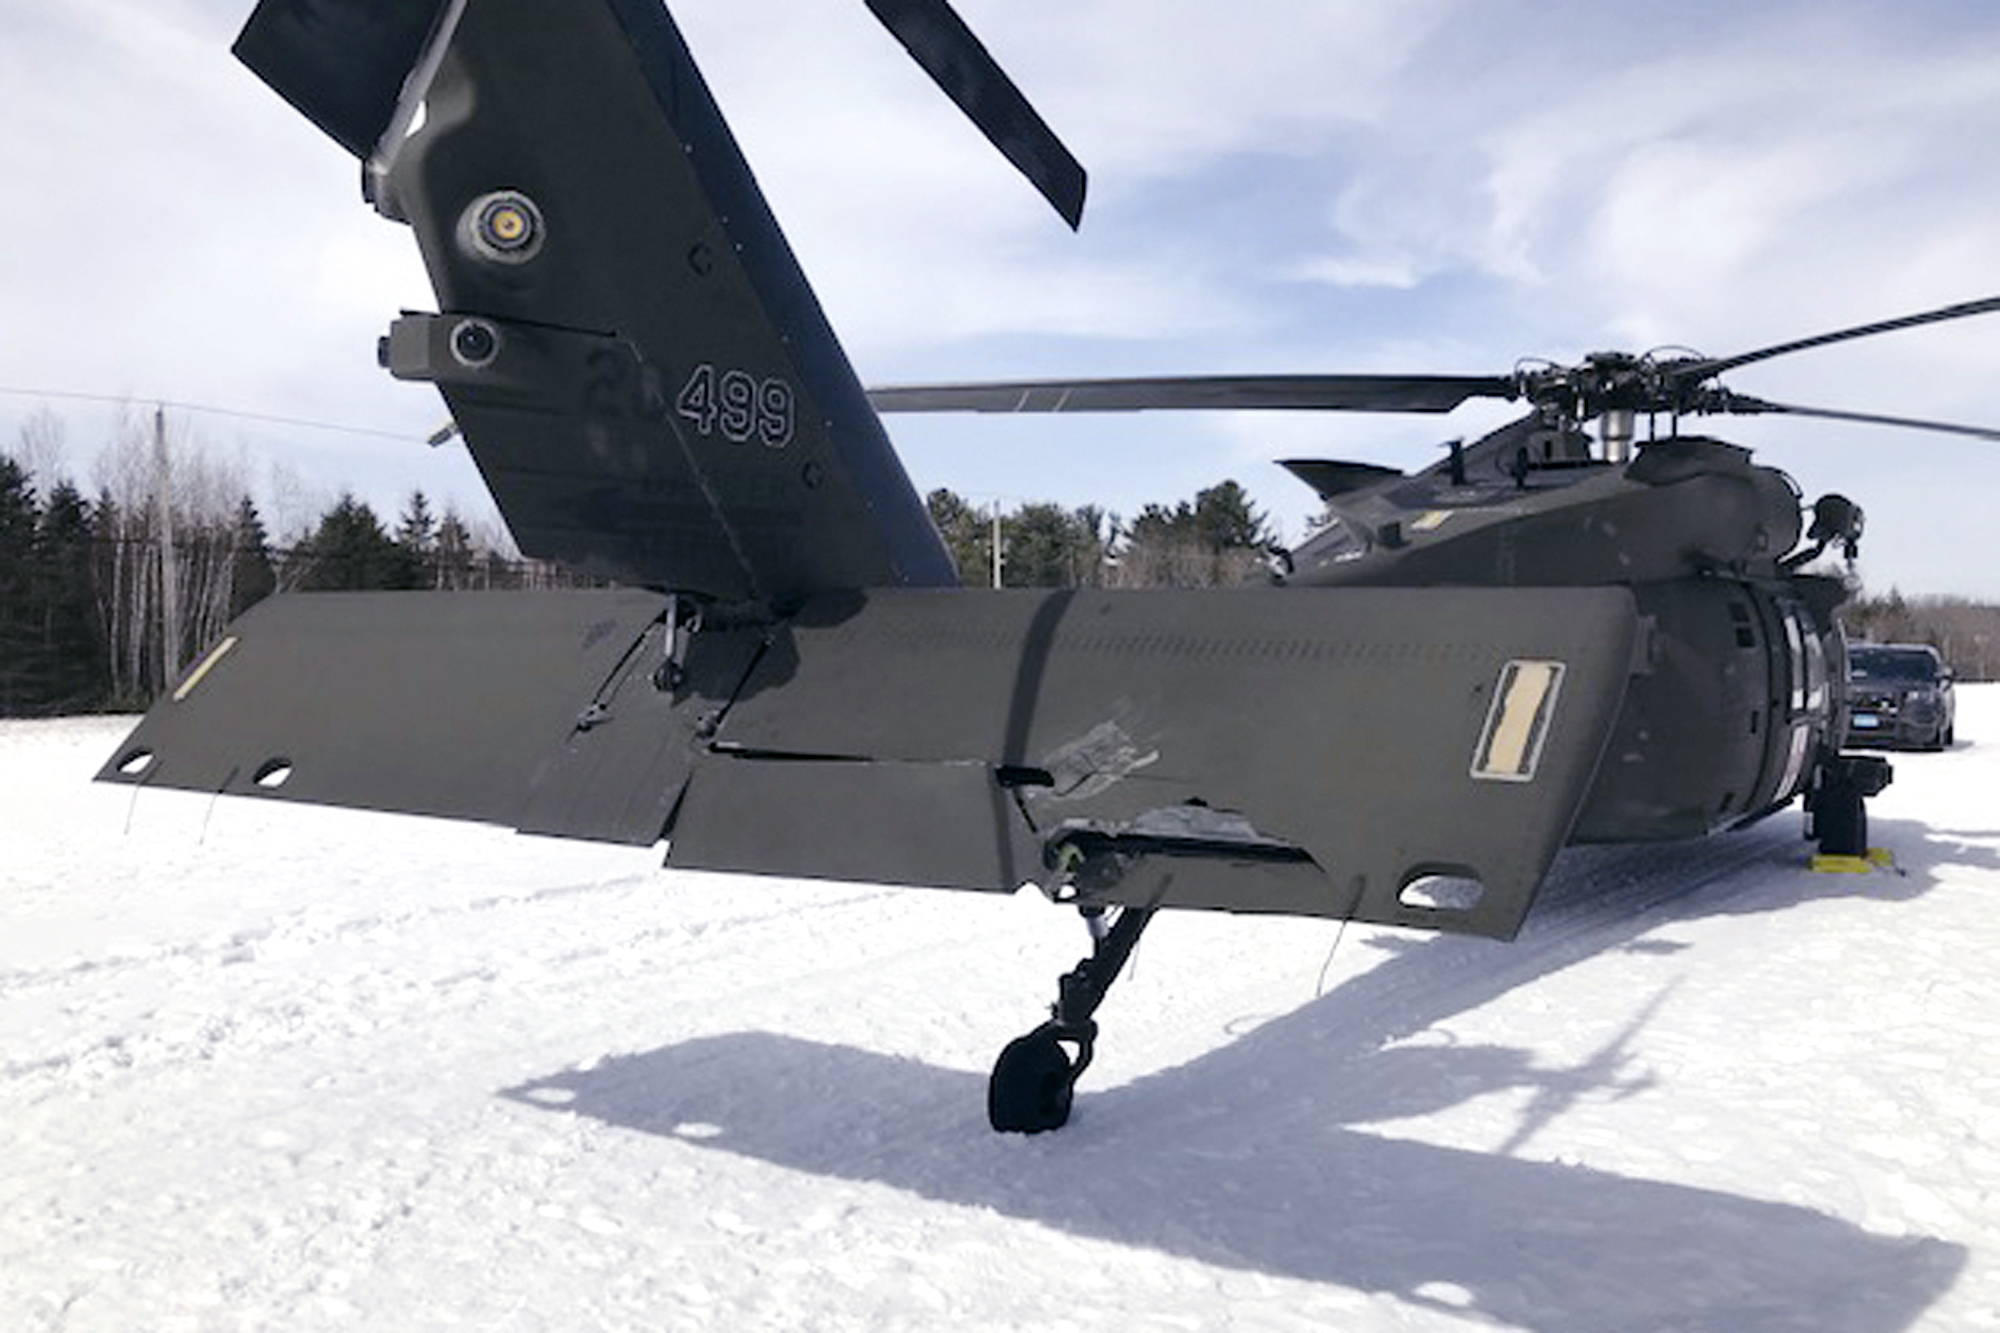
(1329, 478)
(1407, 756)
(488, 706)
(1411, 756)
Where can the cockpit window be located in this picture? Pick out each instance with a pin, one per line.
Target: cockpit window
(1333, 543)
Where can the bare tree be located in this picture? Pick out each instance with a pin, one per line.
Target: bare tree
(166, 535)
(1965, 633)
(44, 439)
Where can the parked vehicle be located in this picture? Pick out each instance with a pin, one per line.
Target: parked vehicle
(1899, 694)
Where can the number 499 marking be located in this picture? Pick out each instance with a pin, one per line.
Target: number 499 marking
(741, 406)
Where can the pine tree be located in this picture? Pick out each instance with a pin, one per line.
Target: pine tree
(350, 552)
(1225, 520)
(967, 536)
(253, 578)
(416, 535)
(1216, 541)
(19, 640)
(452, 554)
(76, 669)
(1052, 547)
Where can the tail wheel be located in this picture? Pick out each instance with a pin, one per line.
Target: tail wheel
(1032, 1085)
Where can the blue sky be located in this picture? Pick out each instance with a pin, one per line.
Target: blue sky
(1418, 185)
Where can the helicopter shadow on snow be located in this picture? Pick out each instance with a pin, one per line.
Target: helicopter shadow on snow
(1249, 1156)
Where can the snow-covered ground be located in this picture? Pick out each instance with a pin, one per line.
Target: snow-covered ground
(270, 1067)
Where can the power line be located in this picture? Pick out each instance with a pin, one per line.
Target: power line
(209, 410)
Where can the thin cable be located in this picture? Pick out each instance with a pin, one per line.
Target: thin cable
(207, 410)
(1319, 987)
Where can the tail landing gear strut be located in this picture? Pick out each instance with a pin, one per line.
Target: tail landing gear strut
(1035, 1077)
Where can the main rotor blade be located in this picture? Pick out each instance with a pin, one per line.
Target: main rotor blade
(1743, 405)
(1701, 370)
(940, 42)
(1329, 393)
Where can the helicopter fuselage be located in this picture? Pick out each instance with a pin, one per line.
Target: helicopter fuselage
(1736, 702)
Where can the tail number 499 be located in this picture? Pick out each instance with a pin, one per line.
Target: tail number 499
(741, 406)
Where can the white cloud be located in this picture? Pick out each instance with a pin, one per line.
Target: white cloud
(1294, 185)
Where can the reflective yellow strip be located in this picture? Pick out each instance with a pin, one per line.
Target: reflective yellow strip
(1430, 519)
(206, 665)
(1519, 720)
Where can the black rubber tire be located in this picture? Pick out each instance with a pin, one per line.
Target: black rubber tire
(1032, 1085)
(1840, 820)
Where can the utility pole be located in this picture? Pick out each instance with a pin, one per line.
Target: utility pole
(996, 542)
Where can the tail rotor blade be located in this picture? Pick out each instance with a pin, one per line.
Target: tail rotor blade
(340, 63)
(958, 63)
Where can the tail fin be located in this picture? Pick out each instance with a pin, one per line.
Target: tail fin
(637, 363)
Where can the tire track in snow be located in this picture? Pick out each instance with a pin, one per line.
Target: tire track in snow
(311, 979)
(307, 928)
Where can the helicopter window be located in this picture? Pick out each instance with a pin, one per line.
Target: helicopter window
(1795, 763)
(1808, 663)
(1797, 657)
(1815, 671)
(1333, 542)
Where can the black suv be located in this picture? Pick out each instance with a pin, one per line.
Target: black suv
(1899, 694)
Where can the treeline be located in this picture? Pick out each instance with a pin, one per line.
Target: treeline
(1218, 539)
(105, 598)
(1965, 633)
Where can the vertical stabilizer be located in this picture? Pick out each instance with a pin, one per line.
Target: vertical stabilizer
(625, 339)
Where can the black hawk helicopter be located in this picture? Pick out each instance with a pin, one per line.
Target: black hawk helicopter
(1539, 641)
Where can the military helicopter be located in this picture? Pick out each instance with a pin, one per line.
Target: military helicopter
(1538, 641)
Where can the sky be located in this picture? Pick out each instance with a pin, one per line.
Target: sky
(1442, 186)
